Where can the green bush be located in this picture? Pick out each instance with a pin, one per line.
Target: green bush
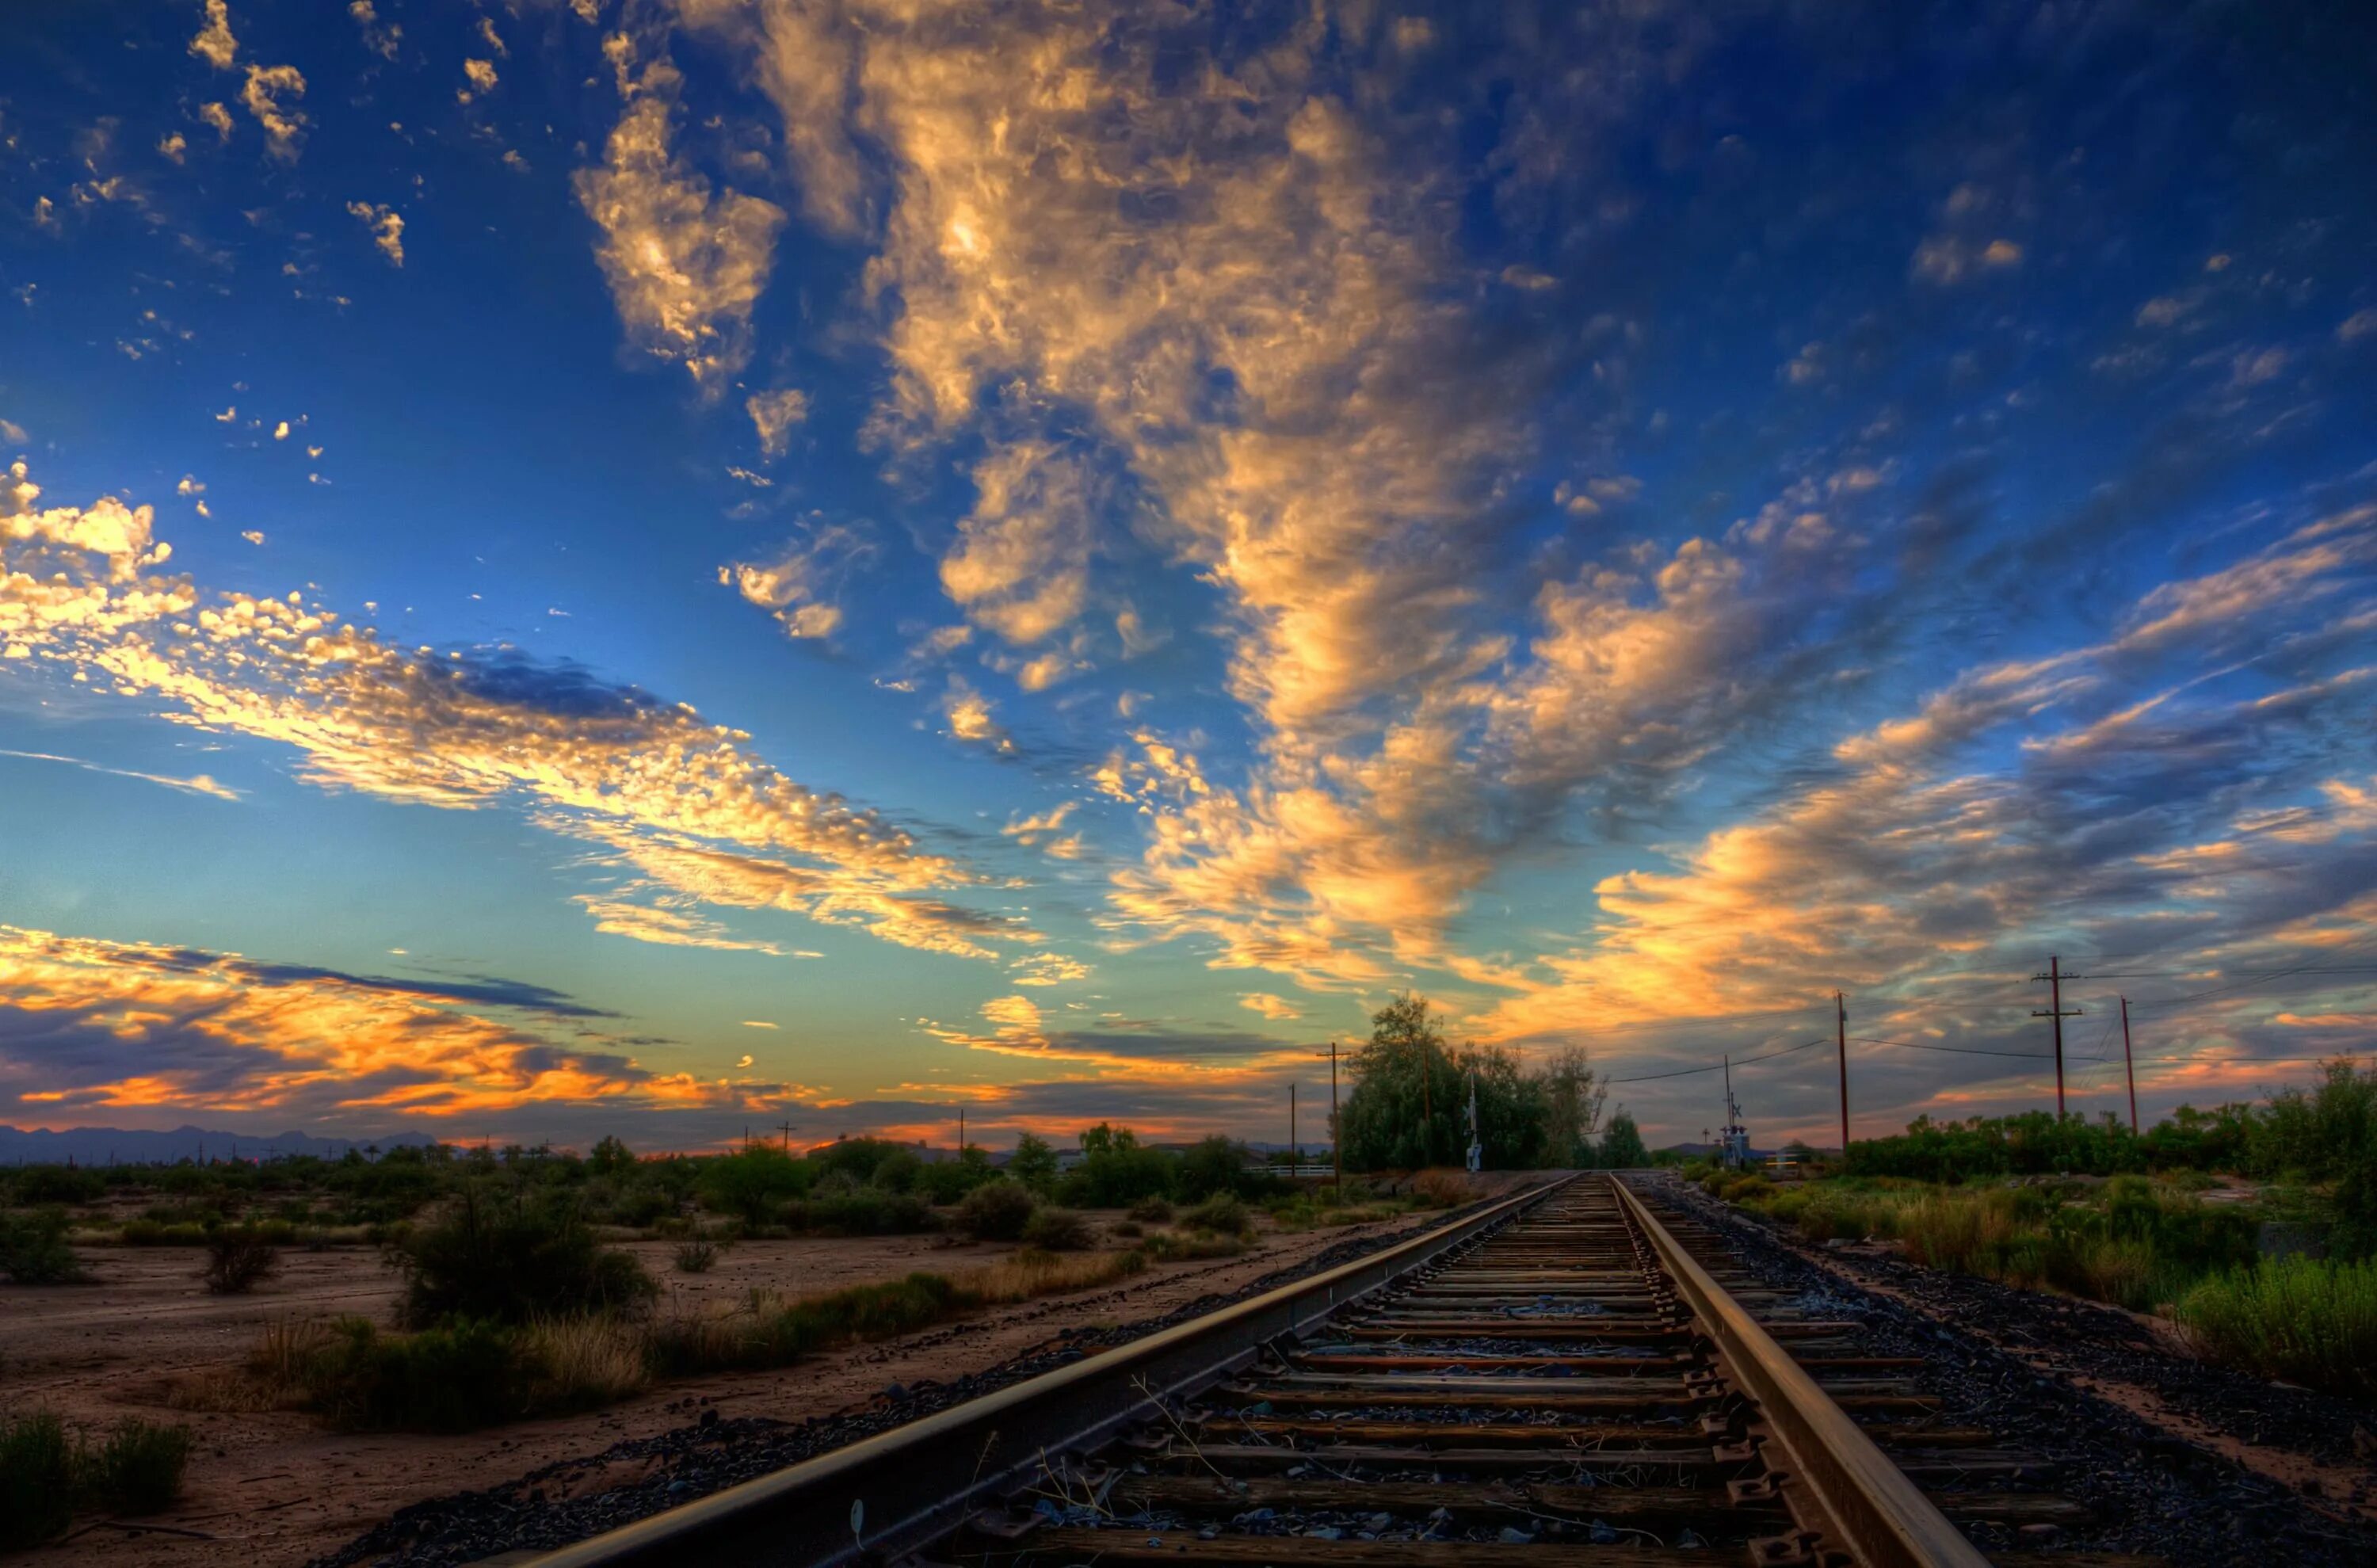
(753, 1184)
(36, 1479)
(34, 1186)
(1056, 1231)
(837, 1209)
(1222, 1214)
(34, 1250)
(237, 1259)
(995, 1211)
(696, 1257)
(455, 1378)
(951, 1181)
(138, 1469)
(2307, 1320)
(507, 1257)
(1152, 1211)
(1116, 1171)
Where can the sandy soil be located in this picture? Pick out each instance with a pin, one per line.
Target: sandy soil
(274, 1489)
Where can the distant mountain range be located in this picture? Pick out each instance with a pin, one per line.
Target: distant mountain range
(121, 1145)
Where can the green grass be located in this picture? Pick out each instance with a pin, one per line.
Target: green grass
(47, 1473)
(2307, 1320)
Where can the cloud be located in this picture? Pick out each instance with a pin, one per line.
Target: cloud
(171, 146)
(1269, 1006)
(214, 43)
(386, 227)
(216, 115)
(802, 585)
(380, 40)
(971, 717)
(773, 414)
(1021, 565)
(197, 784)
(267, 87)
(88, 1025)
(481, 74)
(684, 262)
(647, 785)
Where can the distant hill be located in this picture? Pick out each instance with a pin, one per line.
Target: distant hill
(100, 1146)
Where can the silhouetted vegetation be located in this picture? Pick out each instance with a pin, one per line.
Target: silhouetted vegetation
(237, 1258)
(34, 1250)
(47, 1473)
(507, 1255)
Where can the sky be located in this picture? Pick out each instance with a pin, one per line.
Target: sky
(660, 566)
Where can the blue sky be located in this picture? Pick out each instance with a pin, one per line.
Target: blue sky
(650, 566)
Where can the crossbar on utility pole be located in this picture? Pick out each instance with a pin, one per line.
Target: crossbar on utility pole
(1841, 1013)
(2059, 1012)
(786, 1127)
(2130, 1066)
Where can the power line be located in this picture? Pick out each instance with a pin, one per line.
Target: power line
(1687, 1071)
(1954, 1050)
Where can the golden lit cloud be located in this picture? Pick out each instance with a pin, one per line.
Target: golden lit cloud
(685, 263)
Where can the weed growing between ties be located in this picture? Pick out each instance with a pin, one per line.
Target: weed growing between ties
(47, 1473)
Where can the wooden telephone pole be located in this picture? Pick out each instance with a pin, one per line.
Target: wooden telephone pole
(1841, 1015)
(786, 1127)
(1294, 1155)
(2059, 1012)
(1336, 1134)
(2130, 1067)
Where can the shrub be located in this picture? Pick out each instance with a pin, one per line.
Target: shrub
(1173, 1245)
(1033, 1163)
(951, 1181)
(237, 1259)
(1440, 1189)
(580, 1363)
(462, 1375)
(2305, 1320)
(840, 1210)
(34, 1251)
(138, 1469)
(995, 1211)
(1130, 1229)
(753, 1184)
(696, 1257)
(1216, 1165)
(1056, 1231)
(1152, 1211)
(36, 1479)
(149, 1232)
(507, 1258)
(1220, 1212)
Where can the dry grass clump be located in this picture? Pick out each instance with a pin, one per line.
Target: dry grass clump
(237, 1258)
(584, 1362)
(1441, 1189)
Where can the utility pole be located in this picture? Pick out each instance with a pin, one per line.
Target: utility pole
(1294, 1155)
(786, 1129)
(1336, 1134)
(2059, 1012)
(960, 1132)
(2130, 1066)
(1841, 1013)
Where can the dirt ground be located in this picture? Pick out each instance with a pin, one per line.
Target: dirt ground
(275, 1489)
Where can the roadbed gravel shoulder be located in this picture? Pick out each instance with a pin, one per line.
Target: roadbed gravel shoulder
(574, 1497)
(2153, 1491)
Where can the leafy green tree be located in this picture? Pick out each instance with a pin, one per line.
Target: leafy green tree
(1410, 1104)
(1573, 1097)
(1621, 1146)
(610, 1157)
(1116, 1171)
(1033, 1163)
(1216, 1165)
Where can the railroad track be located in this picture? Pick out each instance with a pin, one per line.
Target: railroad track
(1566, 1378)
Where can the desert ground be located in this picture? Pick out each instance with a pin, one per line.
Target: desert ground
(279, 1489)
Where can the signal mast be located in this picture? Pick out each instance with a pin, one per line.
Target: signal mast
(1735, 1147)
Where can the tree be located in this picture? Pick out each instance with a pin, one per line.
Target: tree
(1573, 1097)
(1214, 1165)
(1033, 1163)
(1621, 1146)
(1410, 1104)
(609, 1155)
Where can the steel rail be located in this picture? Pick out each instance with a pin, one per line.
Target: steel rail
(894, 1492)
(1854, 1497)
